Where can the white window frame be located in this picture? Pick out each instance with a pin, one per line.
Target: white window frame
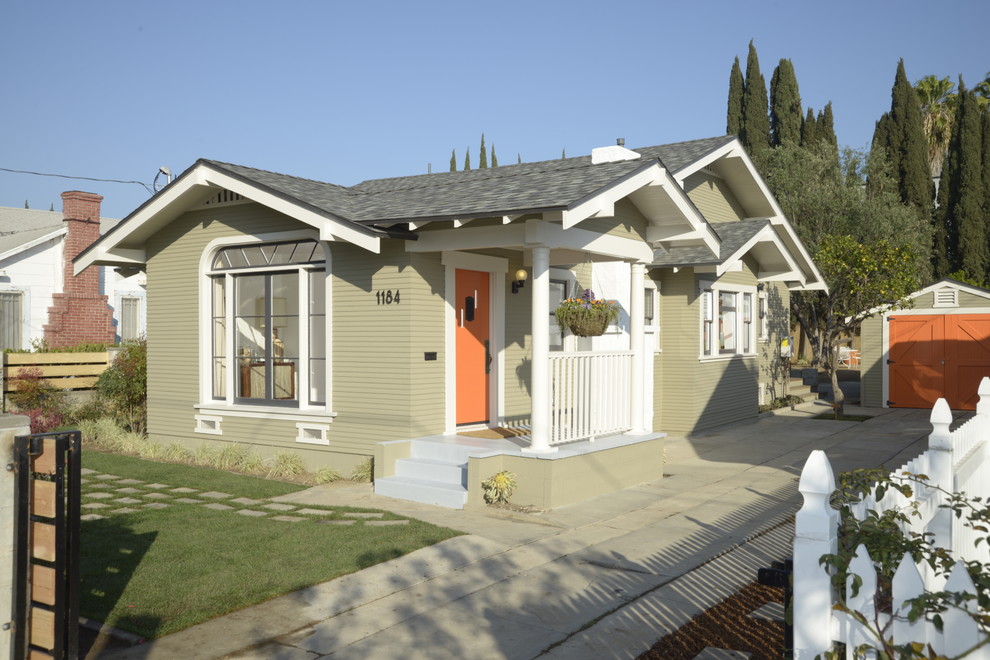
(763, 312)
(708, 314)
(209, 424)
(208, 404)
(23, 327)
(652, 327)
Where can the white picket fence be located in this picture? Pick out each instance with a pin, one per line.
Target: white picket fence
(954, 461)
(589, 394)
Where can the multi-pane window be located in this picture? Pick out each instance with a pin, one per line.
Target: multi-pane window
(727, 326)
(11, 320)
(269, 324)
(130, 309)
(558, 294)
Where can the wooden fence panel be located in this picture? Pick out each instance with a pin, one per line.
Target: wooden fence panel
(67, 371)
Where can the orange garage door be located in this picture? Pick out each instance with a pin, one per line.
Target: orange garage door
(938, 356)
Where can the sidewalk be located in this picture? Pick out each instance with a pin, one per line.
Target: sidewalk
(601, 579)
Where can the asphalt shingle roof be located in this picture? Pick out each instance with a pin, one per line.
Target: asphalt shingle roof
(733, 236)
(21, 226)
(552, 184)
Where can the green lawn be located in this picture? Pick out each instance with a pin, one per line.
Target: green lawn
(156, 571)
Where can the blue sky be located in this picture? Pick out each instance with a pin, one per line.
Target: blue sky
(347, 91)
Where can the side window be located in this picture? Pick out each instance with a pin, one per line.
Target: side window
(11, 319)
(558, 294)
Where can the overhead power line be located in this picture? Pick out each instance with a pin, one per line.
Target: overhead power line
(81, 178)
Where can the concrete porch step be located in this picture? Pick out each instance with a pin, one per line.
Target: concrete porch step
(433, 470)
(797, 387)
(452, 496)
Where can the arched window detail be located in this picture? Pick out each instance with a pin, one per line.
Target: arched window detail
(268, 324)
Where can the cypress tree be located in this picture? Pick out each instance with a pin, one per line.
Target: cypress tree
(494, 157)
(26, 204)
(467, 158)
(483, 157)
(785, 106)
(809, 129)
(756, 117)
(733, 120)
(908, 147)
(966, 194)
(826, 126)
(518, 158)
(453, 161)
(563, 154)
(881, 132)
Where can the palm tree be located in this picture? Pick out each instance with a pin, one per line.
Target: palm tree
(937, 98)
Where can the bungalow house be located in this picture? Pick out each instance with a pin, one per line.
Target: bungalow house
(410, 319)
(41, 299)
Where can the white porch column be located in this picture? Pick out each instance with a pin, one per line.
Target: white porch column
(540, 374)
(637, 343)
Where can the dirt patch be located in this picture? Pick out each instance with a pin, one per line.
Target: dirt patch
(727, 626)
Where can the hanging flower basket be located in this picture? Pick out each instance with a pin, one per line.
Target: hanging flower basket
(586, 316)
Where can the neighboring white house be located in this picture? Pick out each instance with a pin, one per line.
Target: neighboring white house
(32, 271)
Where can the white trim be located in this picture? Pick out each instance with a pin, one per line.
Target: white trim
(723, 287)
(206, 272)
(208, 424)
(265, 412)
(941, 300)
(321, 433)
(30, 244)
(931, 288)
(653, 331)
(496, 267)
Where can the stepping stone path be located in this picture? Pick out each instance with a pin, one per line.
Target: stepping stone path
(712, 653)
(102, 492)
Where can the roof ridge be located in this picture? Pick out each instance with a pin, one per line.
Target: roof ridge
(291, 176)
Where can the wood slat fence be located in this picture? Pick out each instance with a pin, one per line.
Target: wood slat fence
(67, 371)
(956, 461)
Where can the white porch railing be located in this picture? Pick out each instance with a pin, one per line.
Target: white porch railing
(589, 394)
(955, 461)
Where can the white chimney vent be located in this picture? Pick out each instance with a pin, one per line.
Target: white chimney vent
(613, 154)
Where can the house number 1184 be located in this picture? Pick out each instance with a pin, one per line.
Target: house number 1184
(388, 297)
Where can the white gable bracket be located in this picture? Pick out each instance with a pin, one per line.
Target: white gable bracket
(607, 197)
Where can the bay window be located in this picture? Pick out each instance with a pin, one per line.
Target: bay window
(268, 324)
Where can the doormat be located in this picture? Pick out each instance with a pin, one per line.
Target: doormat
(496, 433)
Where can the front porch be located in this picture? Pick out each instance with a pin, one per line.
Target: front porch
(447, 470)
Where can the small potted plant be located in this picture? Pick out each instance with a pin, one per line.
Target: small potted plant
(587, 316)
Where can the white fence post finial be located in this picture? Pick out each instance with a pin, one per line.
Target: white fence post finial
(940, 471)
(815, 534)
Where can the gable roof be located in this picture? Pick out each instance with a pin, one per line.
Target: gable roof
(22, 229)
(572, 189)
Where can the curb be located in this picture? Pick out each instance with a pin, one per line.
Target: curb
(103, 629)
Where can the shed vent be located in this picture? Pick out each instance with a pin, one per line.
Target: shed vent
(946, 298)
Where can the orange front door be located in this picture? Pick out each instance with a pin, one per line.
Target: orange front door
(938, 356)
(473, 345)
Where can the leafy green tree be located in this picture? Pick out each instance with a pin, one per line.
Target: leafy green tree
(494, 157)
(756, 117)
(733, 120)
(453, 161)
(483, 156)
(467, 159)
(937, 97)
(123, 387)
(965, 193)
(809, 130)
(842, 221)
(785, 105)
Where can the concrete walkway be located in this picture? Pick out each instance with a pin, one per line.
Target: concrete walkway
(601, 579)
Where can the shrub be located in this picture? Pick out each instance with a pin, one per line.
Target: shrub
(498, 487)
(326, 475)
(364, 471)
(285, 464)
(41, 401)
(124, 386)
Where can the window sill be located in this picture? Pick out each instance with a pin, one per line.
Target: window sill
(266, 412)
(726, 358)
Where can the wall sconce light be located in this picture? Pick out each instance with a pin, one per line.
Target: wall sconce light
(760, 286)
(520, 280)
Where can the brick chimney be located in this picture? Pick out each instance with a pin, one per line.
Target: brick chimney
(80, 313)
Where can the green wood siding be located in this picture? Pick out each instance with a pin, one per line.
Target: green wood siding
(713, 198)
(383, 388)
(627, 223)
(872, 363)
